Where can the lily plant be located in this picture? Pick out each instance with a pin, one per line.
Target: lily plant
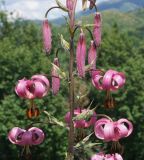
(78, 118)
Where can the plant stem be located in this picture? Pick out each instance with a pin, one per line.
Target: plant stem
(71, 101)
(70, 155)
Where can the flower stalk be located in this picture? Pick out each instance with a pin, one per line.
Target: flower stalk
(70, 155)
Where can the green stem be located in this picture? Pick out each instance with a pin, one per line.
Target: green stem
(70, 155)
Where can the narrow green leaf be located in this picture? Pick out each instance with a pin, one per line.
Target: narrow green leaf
(64, 43)
(59, 71)
(62, 6)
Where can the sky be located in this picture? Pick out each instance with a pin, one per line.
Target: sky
(35, 9)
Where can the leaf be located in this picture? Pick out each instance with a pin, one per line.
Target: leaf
(91, 145)
(83, 141)
(88, 25)
(62, 6)
(88, 67)
(59, 71)
(84, 4)
(54, 120)
(85, 115)
(64, 43)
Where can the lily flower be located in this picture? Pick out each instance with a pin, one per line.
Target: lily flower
(101, 156)
(55, 77)
(47, 36)
(115, 156)
(81, 123)
(37, 87)
(111, 80)
(81, 55)
(32, 136)
(108, 130)
(97, 29)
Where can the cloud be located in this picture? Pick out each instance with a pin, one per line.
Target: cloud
(35, 9)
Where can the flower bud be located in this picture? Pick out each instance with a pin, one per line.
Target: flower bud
(47, 40)
(92, 55)
(97, 29)
(81, 55)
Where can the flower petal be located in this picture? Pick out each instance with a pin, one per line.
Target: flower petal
(20, 88)
(107, 79)
(37, 135)
(109, 131)
(128, 125)
(13, 134)
(99, 127)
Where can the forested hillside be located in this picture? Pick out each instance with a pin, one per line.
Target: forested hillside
(21, 55)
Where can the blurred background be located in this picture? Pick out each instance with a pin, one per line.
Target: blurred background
(22, 55)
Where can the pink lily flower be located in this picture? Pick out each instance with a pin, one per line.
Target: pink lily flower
(92, 55)
(115, 156)
(55, 77)
(108, 130)
(81, 123)
(47, 36)
(81, 55)
(32, 136)
(101, 156)
(111, 80)
(97, 29)
(37, 87)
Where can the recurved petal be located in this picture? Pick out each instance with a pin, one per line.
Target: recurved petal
(118, 157)
(96, 82)
(99, 127)
(20, 88)
(14, 133)
(118, 80)
(109, 131)
(42, 79)
(107, 79)
(127, 124)
(97, 157)
(39, 89)
(37, 135)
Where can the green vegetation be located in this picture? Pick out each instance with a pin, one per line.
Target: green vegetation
(21, 55)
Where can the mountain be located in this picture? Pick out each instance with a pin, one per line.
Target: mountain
(118, 5)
